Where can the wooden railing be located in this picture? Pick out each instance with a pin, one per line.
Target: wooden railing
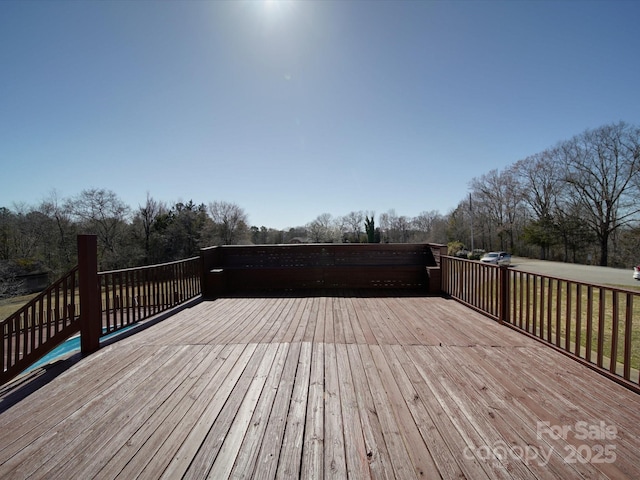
(475, 284)
(41, 325)
(594, 324)
(94, 304)
(131, 295)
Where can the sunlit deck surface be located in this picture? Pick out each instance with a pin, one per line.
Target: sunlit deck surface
(339, 386)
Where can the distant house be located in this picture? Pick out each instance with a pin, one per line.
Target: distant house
(299, 240)
(34, 282)
(20, 279)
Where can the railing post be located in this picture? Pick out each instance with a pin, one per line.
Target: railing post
(90, 317)
(503, 281)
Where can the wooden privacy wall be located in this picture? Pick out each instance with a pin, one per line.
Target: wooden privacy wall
(233, 269)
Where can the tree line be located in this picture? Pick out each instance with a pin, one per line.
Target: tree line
(576, 201)
(43, 237)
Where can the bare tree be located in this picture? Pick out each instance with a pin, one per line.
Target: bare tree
(147, 215)
(542, 185)
(323, 229)
(102, 212)
(501, 196)
(230, 222)
(542, 181)
(65, 230)
(457, 229)
(388, 223)
(354, 221)
(602, 167)
(403, 227)
(26, 235)
(424, 224)
(7, 232)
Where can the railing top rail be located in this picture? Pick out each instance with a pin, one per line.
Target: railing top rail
(599, 331)
(72, 303)
(302, 246)
(617, 288)
(41, 295)
(149, 267)
(580, 282)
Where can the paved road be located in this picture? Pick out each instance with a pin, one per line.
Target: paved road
(584, 273)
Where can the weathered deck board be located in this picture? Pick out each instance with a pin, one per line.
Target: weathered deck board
(341, 386)
(354, 446)
(312, 462)
(290, 449)
(134, 454)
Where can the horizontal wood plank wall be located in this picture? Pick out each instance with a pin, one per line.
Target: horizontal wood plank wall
(232, 269)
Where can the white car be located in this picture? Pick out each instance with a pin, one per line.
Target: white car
(636, 272)
(497, 258)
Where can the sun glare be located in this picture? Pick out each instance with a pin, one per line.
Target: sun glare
(277, 7)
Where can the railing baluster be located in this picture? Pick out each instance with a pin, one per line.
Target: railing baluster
(589, 341)
(117, 314)
(35, 319)
(10, 341)
(3, 347)
(558, 311)
(138, 282)
(133, 277)
(482, 286)
(106, 310)
(180, 284)
(527, 318)
(542, 296)
(628, 319)
(18, 330)
(127, 296)
(578, 346)
(57, 313)
(567, 329)
(149, 277)
(63, 302)
(549, 309)
(615, 320)
(168, 288)
(601, 310)
(155, 291)
(512, 284)
(552, 310)
(534, 319)
(37, 332)
(120, 299)
(72, 295)
(26, 330)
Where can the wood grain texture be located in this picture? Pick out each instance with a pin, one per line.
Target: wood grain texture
(345, 385)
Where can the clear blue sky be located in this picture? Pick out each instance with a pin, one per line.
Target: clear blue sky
(295, 108)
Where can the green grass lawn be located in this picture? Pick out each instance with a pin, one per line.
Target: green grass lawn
(13, 304)
(569, 306)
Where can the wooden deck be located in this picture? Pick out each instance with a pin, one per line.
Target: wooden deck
(341, 386)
